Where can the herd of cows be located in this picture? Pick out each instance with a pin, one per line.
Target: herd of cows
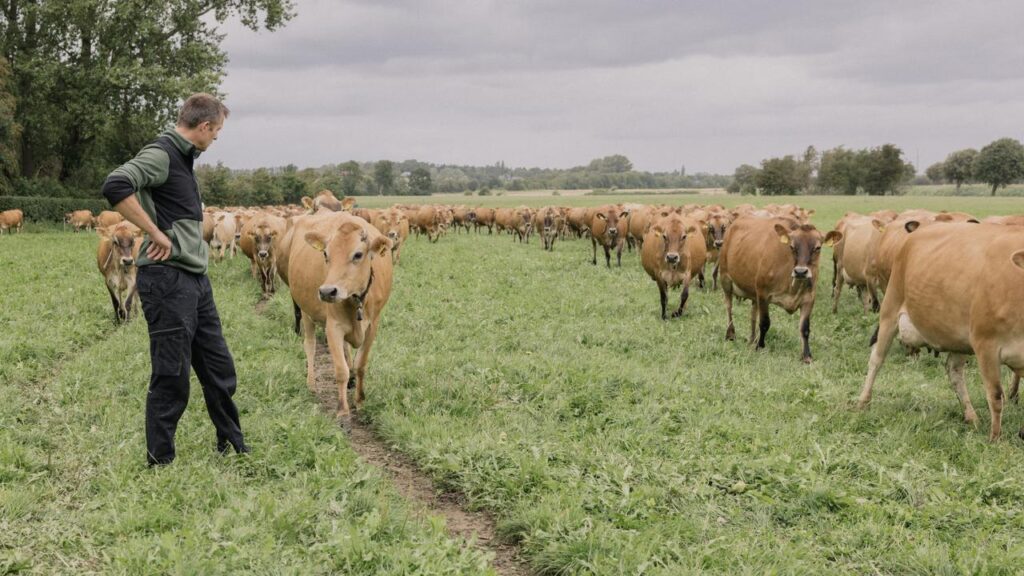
(945, 282)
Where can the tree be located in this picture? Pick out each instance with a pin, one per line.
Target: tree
(451, 179)
(291, 186)
(615, 163)
(351, 176)
(215, 184)
(1000, 163)
(95, 80)
(937, 173)
(744, 180)
(9, 130)
(384, 176)
(883, 169)
(959, 166)
(781, 176)
(419, 182)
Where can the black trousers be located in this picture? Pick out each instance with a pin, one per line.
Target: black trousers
(185, 330)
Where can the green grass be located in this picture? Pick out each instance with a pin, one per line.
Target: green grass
(546, 389)
(76, 497)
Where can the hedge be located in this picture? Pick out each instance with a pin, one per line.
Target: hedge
(41, 209)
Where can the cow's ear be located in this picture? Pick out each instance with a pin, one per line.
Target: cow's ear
(381, 245)
(137, 232)
(102, 232)
(1018, 258)
(809, 212)
(878, 224)
(783, 233)
(307, 202)
(657, 229)
(624, 214)
(316, 240)
(832, 238)
(691, 228)
(273, 233)
(219, 218)
(973, 221)
(911, 226)
(601, 216)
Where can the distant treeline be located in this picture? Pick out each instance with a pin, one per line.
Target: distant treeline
(877, 171)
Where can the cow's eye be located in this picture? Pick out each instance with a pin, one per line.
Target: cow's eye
(817, 249)
(357, 256)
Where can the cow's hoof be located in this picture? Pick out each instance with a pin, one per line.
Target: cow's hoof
(971, 418)
(807, 360)
(677, 313)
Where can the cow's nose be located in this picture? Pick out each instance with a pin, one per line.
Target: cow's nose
(613, 231)
(392, 234)
(238, 235)
(328, 293)
(262, 253)
(672, 258)
(718, 243)
(127, 261)
(801, 272)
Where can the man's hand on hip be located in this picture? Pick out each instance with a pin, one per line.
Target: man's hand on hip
(159, 247)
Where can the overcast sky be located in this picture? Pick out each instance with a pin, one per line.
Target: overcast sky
(556, 83)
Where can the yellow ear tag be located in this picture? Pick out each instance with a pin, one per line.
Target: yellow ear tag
(784, 239)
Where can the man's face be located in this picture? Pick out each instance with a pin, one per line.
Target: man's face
(206, 133)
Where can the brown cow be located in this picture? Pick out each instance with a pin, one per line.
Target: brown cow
(12, 220)
(608, 228)
(208, 226)
(717, 223)
(340, 273)
(395, 225)
(772, 261)
(1016, 220)
(861, 234)
(259, 239)
(108, 218)
(80, 220)
(484, 219)
(505, 219)
(978, 305)
(673, 254)
(522, 223)
(577, 221)
(224, 228)
(549, 221)
(115, 258)
(895, 235)
(429, 220)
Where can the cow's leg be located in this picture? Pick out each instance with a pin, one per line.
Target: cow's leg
(683, 297)
(362, 359)
(764, 322)
(837, 291)
(593, 244)
(309, 346)
(873, 292)
(663, 292)
(754, 314)
(884, 336)
(991, 372)
(805, 331)
(714, 276)
(730, 331)
(336, 343)
(298, 317)
(618, 253)
(116, 304)
(955, 370)
(607, 257)
(1014, 387)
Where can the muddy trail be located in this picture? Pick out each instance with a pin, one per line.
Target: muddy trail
(415, 486)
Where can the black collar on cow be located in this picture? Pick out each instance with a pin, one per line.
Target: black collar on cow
(360, 297)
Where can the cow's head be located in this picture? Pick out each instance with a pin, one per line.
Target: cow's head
(805, 242)
(262, 237)
(716, 230)
(347, 253)
(673, 231)
(122, 243)
(612, 216)
(393, 224)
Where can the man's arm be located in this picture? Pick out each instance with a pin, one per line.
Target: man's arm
(148, 168)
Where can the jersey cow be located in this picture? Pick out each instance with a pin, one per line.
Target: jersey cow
(115, 258)
(672, 254)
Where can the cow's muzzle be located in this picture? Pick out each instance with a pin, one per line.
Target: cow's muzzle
(263, 254)
(613, 231)
(672, 258)
(718, 243)
(393, 235)
(329, 293)
(801, 272)
(127, 261)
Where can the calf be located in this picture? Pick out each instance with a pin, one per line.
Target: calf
(772, 261)
(80, 220)
(393, 224)
(115, 258)
(672, 254)
(717, 223)
(549, 222)
(340, 277)
(259, 239)
(970, 308)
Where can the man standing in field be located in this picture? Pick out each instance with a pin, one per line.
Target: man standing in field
(158, 192)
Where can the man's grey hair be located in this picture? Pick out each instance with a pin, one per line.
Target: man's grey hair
(201, 108)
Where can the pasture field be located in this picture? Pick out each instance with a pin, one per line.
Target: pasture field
(546, 389)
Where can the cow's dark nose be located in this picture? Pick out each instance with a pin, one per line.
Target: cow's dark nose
(393, 235)
(801, 272)
(127, 261)
(613, 231)
(718, 243)
(672, 258)
(238, 235)
(262, 254)
(328, 293)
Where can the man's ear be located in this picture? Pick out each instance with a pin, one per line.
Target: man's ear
(316, 240)
(783, 233)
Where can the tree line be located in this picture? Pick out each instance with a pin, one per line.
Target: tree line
(876, 171)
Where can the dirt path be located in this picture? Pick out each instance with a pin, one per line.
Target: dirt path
(412, 483)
